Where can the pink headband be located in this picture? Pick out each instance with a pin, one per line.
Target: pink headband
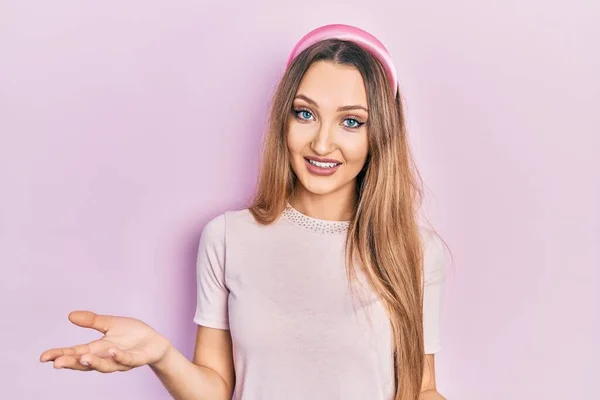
(354, 34)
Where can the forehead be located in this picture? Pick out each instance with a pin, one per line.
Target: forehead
(333, 85)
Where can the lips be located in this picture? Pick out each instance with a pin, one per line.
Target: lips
(322, 160)
(321, 166)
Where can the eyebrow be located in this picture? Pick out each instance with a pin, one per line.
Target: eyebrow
(343, 108)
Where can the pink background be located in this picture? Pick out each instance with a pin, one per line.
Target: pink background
(125, 126)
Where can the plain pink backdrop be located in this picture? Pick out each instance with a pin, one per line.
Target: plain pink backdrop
(126, 126)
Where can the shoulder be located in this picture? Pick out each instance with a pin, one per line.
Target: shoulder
(434, 254)
(236, 218)
(217, 227)
(432, 242)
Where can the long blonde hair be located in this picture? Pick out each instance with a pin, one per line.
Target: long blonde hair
(384, 233)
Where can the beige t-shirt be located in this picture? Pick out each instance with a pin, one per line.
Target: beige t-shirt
(298, 330)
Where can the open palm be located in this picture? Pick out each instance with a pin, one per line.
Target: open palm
(127, 343)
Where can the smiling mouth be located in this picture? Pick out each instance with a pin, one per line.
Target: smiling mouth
(322, 164)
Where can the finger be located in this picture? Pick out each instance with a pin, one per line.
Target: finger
(52, 354)
(101, 364)
(127, 358)
(70, 362)
(88, 319)
(98, 347)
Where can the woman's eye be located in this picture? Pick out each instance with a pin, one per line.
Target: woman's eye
(303, 114)
(353, 123)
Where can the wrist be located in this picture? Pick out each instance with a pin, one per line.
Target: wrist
(165, 360)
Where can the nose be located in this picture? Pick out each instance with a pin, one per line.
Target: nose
(323, 141)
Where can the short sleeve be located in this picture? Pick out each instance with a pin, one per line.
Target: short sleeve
(434, 264)
(212, 292)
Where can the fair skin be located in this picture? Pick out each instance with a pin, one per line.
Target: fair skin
(327, 122)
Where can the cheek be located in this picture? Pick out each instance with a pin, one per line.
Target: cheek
(356, 149)
(292, 146)
(297, 138)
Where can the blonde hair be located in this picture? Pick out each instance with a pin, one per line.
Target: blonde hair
(384, 233)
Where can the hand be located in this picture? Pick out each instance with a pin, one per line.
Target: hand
(127, 343)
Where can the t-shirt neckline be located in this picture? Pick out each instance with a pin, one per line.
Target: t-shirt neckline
(316, 225)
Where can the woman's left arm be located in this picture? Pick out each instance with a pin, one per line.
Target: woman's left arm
(428, 387)
(431, 395)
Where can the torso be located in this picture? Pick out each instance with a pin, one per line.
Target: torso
(298, 330)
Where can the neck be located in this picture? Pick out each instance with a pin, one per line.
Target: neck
(335, 206)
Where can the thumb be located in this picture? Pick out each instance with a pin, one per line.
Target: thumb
(88, 319)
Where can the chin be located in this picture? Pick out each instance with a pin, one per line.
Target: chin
(320, 189)
(320, 185)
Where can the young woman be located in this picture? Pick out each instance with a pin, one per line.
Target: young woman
(326, 287)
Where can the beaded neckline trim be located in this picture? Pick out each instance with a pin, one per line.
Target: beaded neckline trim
(313, 224)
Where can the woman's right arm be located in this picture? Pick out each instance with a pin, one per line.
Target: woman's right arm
(211, 374)
(130, 343)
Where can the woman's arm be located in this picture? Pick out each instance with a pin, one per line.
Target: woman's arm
(431, 395)
(130, 343)
(210, 377)
(428, 387)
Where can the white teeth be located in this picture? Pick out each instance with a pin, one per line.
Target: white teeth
(322, 164)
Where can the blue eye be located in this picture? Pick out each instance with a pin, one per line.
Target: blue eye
(354, 123)
(303, 114)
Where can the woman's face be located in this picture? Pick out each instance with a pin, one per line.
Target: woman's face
(326, 130)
